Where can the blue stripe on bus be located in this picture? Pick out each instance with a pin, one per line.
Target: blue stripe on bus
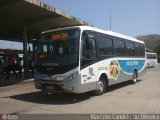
(129, 66)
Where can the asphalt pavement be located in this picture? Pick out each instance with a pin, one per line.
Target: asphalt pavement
(124, 98)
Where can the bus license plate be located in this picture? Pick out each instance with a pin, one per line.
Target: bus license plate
(50, 87)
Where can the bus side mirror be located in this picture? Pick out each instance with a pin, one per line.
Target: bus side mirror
(89, 44)
(86, 38)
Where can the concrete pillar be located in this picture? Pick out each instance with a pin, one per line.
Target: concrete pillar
(25, 53)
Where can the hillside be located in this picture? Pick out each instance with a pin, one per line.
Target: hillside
(151, 41)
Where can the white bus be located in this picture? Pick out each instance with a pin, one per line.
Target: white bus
(151, 59)
(81, 58)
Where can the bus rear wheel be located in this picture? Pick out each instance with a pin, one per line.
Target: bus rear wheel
(101, 87)
(135, 77)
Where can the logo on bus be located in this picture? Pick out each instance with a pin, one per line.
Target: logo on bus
(114, 69)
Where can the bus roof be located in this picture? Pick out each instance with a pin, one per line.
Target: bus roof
(111, 33)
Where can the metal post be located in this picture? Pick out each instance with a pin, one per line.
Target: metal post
(33, 48)
(110, 19)
(25, 53)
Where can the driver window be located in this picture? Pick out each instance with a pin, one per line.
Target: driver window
(88, 51)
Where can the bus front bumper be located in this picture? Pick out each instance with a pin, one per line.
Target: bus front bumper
(73, 86)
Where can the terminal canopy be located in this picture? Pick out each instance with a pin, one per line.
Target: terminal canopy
(33, 15)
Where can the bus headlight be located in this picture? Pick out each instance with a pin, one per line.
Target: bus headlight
(72, 76)
(63, 77)
(58, 78)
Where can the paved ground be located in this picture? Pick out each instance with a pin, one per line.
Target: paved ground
(143, 97)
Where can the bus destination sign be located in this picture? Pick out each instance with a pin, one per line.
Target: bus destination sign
(62, 35)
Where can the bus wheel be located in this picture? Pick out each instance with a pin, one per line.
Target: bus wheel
(135, 76)
(101, 87)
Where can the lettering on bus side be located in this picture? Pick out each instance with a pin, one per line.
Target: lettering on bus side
(132, 63)
(103, 68)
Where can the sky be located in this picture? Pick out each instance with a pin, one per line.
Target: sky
(128, 17)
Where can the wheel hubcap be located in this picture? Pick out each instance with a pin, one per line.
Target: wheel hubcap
(100, 86)
(134, 80)
(135, 77)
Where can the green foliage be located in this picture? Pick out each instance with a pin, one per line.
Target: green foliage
(151, 40)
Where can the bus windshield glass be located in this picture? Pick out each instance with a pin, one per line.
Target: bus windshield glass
(58, 49)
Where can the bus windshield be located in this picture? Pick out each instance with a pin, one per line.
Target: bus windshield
(58, 50)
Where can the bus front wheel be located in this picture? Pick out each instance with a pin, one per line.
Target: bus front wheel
(101, 87)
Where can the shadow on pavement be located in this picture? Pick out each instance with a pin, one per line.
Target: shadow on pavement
(54, 98)
(121, 85)
(60, 98)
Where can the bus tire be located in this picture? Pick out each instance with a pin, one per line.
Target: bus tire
(135, 76)
(101, 87)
